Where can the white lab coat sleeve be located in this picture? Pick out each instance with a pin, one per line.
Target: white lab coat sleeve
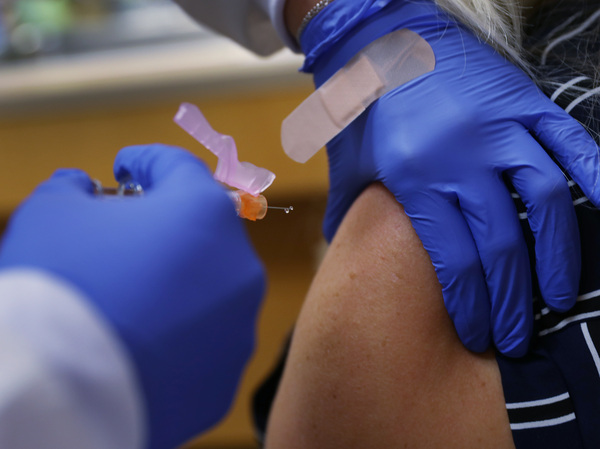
(65, 380)
(258, 25)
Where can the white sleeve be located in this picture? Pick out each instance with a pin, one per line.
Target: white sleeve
(258, 25)
(65, 381)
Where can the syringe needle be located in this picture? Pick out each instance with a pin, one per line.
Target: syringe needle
(286, 209)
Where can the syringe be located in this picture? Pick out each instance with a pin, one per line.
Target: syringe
(246, 206)
(125, 188)
(252, 207)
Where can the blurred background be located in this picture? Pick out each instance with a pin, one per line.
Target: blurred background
(80, 79)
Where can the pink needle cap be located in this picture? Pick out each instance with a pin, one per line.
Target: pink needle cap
(241, 175)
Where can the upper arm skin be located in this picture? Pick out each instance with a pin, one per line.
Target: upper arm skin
(375, 360)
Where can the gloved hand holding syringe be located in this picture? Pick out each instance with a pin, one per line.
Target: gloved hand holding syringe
(248, 178)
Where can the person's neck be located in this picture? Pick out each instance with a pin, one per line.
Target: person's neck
(295, 11)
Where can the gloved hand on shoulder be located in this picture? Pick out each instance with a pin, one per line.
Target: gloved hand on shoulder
(172, 272)
(444, 144)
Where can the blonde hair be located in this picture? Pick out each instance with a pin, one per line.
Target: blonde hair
(498, 22)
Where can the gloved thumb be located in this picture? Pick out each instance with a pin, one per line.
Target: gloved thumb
(67, 180)
(151, 165)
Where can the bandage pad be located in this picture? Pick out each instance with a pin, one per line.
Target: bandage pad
(387, 63)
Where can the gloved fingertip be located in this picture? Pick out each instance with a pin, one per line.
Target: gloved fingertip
(69, 172)
(149, 164)
(515, 343)
(69, 177)
(478, 345)
(514, 348)
(560, 291)
(562, 305)
(473, 332)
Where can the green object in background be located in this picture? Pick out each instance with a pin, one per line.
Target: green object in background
(51, 16)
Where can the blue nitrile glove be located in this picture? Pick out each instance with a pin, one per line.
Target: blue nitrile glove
(443, 144)
(172, 271)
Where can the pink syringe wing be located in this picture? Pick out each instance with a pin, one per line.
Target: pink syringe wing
(241, 175)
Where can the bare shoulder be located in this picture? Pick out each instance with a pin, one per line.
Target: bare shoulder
(375, 360)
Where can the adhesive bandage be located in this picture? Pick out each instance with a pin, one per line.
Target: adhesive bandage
(383, 65)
